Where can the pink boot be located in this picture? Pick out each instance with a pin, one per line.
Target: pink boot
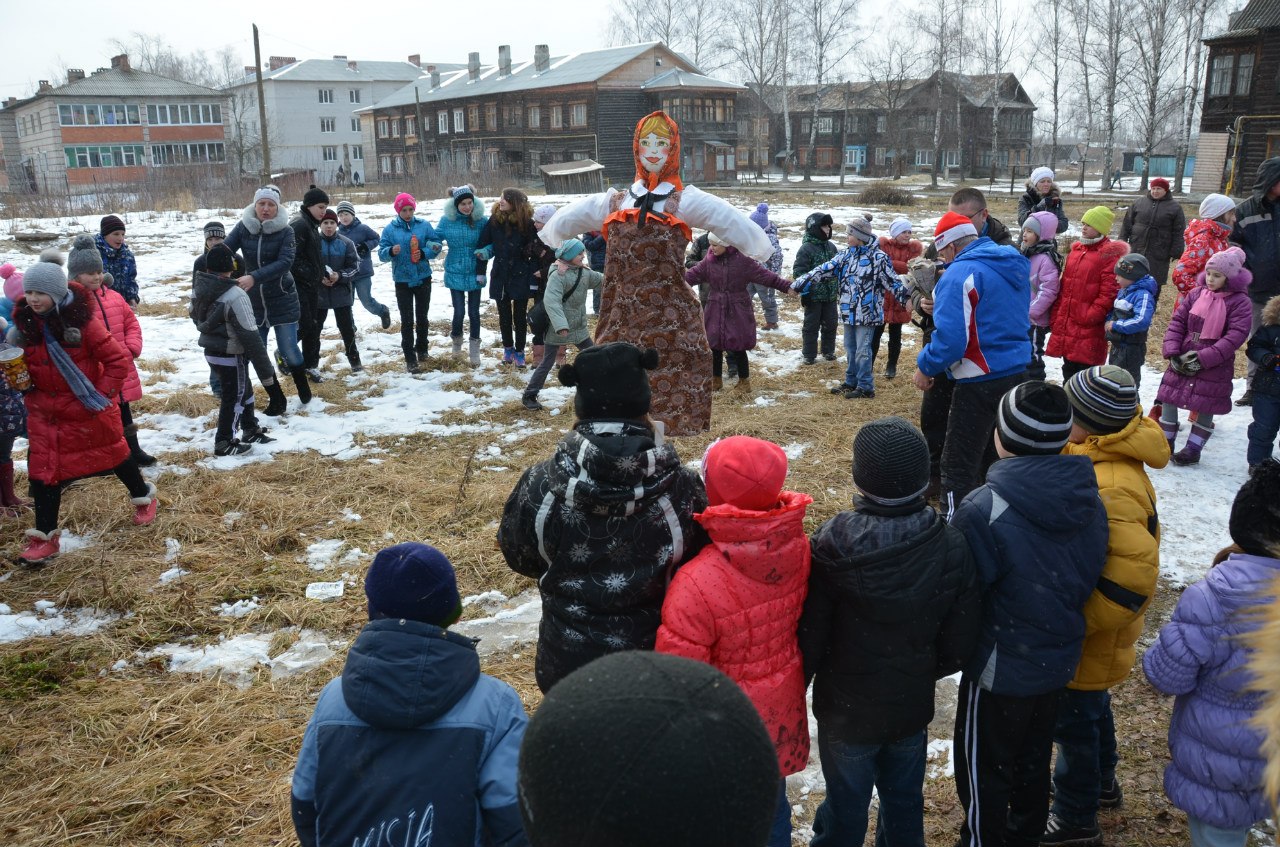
(144, 507)
(40, 547)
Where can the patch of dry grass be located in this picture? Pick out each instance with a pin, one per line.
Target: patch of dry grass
(142, 757)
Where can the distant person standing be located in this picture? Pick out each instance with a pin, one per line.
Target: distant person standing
(768, 297)
(117, 259)
(1153, 226)
(1042, 195)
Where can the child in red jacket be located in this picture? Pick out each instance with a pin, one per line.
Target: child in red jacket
(84, 265)
(1086, 296)
(736, 605)
(73, 426)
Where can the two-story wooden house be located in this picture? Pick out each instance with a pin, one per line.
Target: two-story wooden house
(1240, 116)
(886, 128)
(513, 117)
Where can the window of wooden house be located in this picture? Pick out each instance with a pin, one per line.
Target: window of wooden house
(458, 124)
(721, 112)
(1220, 75)
(473, 118)
(825, 125)
(382, 128)
(410, 126)
(578, 116)
(824, 156)
(442, 122)
(1244, 73)
(557, 117)
(491, 116)
(512, 116)
(924, 157)
(882, 123)
(535, 117)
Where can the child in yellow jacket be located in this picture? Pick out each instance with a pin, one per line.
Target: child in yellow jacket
(1111, 430)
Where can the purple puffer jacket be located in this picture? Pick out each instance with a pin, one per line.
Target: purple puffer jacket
(1210, 390)
(729, 314)
(1216, 772)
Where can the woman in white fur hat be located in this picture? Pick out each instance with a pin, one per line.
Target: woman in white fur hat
(1042, 195)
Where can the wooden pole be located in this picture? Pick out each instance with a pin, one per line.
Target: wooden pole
(262, 111)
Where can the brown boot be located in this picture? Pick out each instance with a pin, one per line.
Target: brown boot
(717, 383)
(743, 386)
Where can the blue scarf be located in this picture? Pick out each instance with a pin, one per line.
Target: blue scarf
(76, 380)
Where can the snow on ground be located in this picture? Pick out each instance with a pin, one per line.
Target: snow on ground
(1194, 501)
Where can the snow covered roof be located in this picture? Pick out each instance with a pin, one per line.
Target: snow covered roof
(129, 82)
(573, 69)
(340, 70)
(676, 78)
(577, 166)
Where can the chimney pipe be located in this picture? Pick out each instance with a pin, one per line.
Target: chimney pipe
(351, 65)
(541, 58)
(473, 66)
(416, 60)
(338, 58)
(250, 70)
(44, 86)
(275, 63)
(435, 77)
(504, 60)
(121, 62)
(10, 101)
(74, 74)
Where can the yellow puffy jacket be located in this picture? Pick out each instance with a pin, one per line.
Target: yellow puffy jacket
(1114, 612)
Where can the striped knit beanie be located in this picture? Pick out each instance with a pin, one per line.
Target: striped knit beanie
(1103, 398)
(345, 206)
(1034, 419)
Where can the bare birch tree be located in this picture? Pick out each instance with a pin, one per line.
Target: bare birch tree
(1156, 100)
(996, 48)
(633, 21)
(1194, 13)
(1049, 64)
(1082, 12)
(892, 75)
(754, 44)
(824, 29)
(941, 37)
(1108, 56)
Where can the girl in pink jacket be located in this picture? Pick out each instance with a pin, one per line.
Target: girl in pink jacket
(84, 265)
(1040, 245)
(736, 605)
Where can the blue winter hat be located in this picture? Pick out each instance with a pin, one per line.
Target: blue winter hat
(570, 248)
(761, 215)
(413, 581)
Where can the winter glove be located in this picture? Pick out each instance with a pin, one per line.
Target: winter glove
(1186, 366)
(278, 403)
(435, 246)
(480, 254)
(362, 250)
(1271, 362)
(802, 287)
(480, 279)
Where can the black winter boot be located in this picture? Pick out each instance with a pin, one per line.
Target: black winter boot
(141, 457)
(277, 403)
(299, 375)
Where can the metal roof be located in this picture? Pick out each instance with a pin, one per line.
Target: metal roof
(573, 69)
(1259, 14)
(336, 70)
(118, 82)
(676, 78)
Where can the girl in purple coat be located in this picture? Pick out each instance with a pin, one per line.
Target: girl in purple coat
(1216, 771)
(1040, 245)
(1207, 328)
(729, 315)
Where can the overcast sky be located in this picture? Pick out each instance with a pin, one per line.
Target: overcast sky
(38, 39)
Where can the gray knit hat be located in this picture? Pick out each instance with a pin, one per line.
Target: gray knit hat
(861, 227)
(345, 206)
(1103, 398)
(1133, 266)
(84, 257)
(891, 462)
(46, 276)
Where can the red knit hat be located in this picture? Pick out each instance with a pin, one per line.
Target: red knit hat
(953, 225)
(1160, 182)
(745, 472)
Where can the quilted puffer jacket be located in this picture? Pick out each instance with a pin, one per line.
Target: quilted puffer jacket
(736, 605)
(1086, 296)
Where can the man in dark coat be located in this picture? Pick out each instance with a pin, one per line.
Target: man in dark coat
(308, 270)
(1153, 226)
(1257, 231)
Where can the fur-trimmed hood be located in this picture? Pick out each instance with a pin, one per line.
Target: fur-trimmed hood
(451, 212)
(251, 222)
(26, 323)
(1238, 284)
(1035, 196)
(1271, 312)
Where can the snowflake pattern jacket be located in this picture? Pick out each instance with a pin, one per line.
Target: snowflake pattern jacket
(602, 526)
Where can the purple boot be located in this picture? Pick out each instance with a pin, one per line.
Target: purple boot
(1190, 454)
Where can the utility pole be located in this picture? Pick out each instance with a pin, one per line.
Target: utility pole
(262, 110)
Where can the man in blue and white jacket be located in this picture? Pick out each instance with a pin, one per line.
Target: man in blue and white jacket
(412, 744)
(980, 339)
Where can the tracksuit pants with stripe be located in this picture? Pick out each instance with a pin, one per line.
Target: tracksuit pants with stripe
(1003, 745)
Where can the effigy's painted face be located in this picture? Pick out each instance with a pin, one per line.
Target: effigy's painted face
(654, 151)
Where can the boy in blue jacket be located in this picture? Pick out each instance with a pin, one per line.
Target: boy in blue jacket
(412, 744)
(1038, 534)
(1130, 317)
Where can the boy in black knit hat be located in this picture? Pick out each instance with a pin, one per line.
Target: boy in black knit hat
(412, 744)
(893, 606)
(1038, 532)
(644, 749)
